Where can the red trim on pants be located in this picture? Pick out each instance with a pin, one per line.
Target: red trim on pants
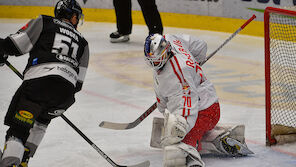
(207, 119)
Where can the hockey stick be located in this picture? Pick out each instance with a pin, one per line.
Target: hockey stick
(14, 70)
(228, 39)
(143, 164)
(124, 126)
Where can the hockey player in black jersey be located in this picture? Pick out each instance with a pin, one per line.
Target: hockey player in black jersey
(56, 68)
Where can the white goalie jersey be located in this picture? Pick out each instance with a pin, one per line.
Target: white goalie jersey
(181, 86)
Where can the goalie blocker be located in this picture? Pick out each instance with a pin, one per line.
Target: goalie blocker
(222, 140)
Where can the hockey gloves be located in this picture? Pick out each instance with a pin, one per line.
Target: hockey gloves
(3, 58)
(175, 129)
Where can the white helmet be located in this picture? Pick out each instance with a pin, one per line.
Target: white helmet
(156, 50)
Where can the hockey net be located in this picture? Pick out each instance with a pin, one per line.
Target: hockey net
(280, 75)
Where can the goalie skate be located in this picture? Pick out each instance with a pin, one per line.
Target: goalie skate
(232, 142)
(233, 147)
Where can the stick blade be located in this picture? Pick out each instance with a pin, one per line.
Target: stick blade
(142, 164)
(115, 126)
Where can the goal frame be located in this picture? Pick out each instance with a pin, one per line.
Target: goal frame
(268, 10)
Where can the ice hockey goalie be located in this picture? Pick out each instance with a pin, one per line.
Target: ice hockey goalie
(188, 102)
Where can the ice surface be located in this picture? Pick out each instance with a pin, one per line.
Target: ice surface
(118, 88)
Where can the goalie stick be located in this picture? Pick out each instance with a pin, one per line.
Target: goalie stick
(228, 39)
(142, 164)
(124, 126)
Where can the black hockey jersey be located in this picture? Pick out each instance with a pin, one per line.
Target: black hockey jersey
(55, 48)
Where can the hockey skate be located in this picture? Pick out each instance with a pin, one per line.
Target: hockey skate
(116, 37)
(234, 147)
(25, 159)
(232, 142)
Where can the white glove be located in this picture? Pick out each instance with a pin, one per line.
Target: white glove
(175, 129)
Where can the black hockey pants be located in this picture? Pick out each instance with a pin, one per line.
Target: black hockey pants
(34, 100)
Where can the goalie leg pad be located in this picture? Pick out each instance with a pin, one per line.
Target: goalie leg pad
(212, 141)
(174, 156)
(226, 140)
(175, 129)
(181, 155)
(235, 131)
(12, 153)
(193, 159)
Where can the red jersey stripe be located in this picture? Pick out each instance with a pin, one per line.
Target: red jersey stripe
(172, 64)
(176, 60)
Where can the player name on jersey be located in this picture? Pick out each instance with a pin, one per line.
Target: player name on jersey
(69, 33)
(56, 21)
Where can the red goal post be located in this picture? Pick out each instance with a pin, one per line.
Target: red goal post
(280, 75)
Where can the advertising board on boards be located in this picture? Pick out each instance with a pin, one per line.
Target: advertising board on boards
(241, 9)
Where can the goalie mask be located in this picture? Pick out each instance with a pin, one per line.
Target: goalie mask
(156, 50)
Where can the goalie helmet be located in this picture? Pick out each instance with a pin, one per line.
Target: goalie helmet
(156, 50)
(66, 8)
